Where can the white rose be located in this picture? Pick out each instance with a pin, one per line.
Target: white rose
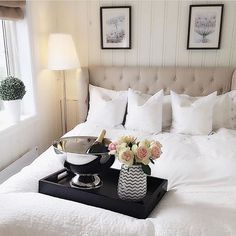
(134, 149)
(120, 147)
(127, 139)
(144, 143)
(156, 143)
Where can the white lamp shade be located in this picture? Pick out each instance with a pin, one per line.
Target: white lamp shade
(62, 52)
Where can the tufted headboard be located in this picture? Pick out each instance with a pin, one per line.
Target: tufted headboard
(193, 81)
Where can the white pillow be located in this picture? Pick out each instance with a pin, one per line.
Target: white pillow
(224, 114)
(106, 107)
(192, 115)
(144, 111)
(232, 113)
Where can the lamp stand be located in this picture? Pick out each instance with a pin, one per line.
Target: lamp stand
(64, 102)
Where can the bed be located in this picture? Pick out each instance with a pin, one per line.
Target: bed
(201, 169)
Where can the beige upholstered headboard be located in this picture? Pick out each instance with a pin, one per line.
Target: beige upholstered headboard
(193, 81)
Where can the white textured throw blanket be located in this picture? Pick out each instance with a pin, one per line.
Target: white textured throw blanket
(201, 200)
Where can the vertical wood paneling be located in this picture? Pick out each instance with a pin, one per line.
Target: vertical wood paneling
(138, 31)
(223, 56)
(233, 43)
(94, 33)
(156, 47)
(164, 34)
(144, 32)
(80, 14)
(131, 56)
(107, 54)
(182, 55)
(171, 28)
(196, 57)
(159, 33)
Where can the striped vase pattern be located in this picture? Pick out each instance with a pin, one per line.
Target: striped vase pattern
(132, 184)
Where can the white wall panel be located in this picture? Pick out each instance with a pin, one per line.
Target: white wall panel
(106, 55)
(171, 29)
(144, 32)
(233, 45)
(131, 56)
(223, 55)
(159, 33)
(157, 39)
(81, 24)
(182, 55)
(94, 48)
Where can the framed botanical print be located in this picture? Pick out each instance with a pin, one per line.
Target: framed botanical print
(204, 29)
(115, 27)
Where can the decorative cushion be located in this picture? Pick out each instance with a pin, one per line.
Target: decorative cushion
(224, 115)
(144, 111)
(106, 107)
(192, 115)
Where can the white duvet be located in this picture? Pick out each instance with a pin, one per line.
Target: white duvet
(201, 200)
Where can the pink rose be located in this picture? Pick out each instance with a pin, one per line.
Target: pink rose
(126, 156)
(143, 154)
(156, 143)
(155, 152)
(112, 146)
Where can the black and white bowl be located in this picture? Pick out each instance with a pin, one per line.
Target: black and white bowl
(85, 166)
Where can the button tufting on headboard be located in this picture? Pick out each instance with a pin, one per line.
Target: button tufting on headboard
(195, 81)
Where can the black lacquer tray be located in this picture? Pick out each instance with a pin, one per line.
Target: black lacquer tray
(58, 185)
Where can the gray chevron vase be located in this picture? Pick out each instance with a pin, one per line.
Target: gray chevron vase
(132, 184)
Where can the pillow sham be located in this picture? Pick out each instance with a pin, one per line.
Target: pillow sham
(192, 115)
(224, 114)
(106, 107)
(232, 112)
(144, 111)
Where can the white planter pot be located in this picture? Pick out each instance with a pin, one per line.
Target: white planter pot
(13, 110)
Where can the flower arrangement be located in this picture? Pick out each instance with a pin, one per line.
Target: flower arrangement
(130, 152)
(11, 88)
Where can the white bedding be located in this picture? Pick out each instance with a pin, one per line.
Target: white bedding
(201, 200)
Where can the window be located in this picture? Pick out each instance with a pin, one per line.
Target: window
(3, 52)
(8, 51)
(15, 59)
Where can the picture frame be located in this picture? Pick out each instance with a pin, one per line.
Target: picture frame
(115, 24)
(204, 26)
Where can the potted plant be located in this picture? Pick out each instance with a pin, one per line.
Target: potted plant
(135, 157)
(12, 90)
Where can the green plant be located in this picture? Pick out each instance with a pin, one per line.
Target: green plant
(11, 88)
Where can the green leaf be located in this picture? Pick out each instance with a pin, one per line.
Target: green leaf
(146, 169)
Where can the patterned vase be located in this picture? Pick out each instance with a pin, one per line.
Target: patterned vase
(132, 184)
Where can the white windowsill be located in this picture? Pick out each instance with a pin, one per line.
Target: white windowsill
(6, 127)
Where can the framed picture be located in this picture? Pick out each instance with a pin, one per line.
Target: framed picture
(204, 28)
(115, 27)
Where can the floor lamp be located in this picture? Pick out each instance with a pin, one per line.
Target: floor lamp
(62, 56)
